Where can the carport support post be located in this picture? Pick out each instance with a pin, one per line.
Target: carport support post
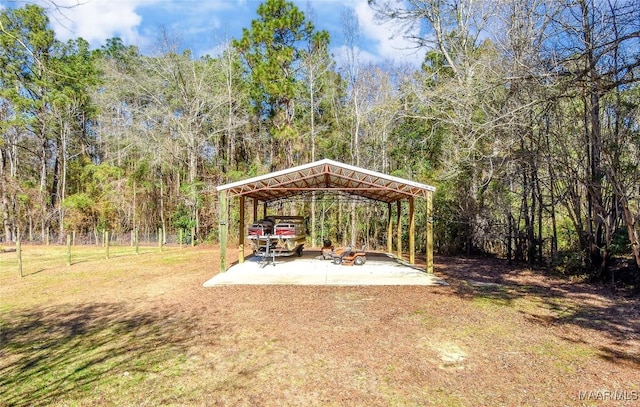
(389, 229)
(241, 232)
(429, 232)
(222, 229)
(412, 232)
(399, 229)
(255, 210)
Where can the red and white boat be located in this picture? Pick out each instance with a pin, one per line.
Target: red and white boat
(278, 236)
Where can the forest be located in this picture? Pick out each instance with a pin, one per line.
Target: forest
(525, 115)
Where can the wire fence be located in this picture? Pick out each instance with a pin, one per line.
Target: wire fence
(98, 238)
(54, 250)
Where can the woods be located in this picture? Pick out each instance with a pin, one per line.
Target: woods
(524, 114)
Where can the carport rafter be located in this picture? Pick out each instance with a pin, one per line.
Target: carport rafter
(330, 176)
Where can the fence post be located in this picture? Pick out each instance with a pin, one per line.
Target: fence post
(193, 237)
(137, 241)
(106, 242)
(19, 253)
(160, 238)
(180, 236)
(68, 250)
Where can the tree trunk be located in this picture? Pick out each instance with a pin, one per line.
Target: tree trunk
(552, 186)
(354, 224)
(632, 231)
(162, 219)
(42, 190)
(8, 237)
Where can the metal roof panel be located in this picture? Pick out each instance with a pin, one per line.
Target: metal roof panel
(327, 175)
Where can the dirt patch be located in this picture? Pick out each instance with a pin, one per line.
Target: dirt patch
(143, 330)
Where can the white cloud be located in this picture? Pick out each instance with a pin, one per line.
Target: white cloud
(137, 22)
(202, 25)
(96, 20)
(363, 57)
(386, 37)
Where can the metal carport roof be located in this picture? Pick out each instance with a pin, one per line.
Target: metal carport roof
(333, 177)
(326, 176)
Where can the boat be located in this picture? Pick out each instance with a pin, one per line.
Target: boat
(278, 236)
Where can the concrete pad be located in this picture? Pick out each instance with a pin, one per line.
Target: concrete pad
(311, 269)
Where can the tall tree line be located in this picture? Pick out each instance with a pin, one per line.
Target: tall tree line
(524, 114)
(539, 101)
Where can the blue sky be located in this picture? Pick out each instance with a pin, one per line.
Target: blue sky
(204, 26)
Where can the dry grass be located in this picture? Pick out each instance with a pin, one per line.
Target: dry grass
(141, 330)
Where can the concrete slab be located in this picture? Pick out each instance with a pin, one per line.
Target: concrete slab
(311, 269)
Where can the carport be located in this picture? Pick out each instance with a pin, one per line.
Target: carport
(330, 176)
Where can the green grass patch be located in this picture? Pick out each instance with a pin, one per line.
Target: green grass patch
(564, 356)
(492, 296)
(73, 354)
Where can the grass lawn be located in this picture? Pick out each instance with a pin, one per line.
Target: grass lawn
(142, 330)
